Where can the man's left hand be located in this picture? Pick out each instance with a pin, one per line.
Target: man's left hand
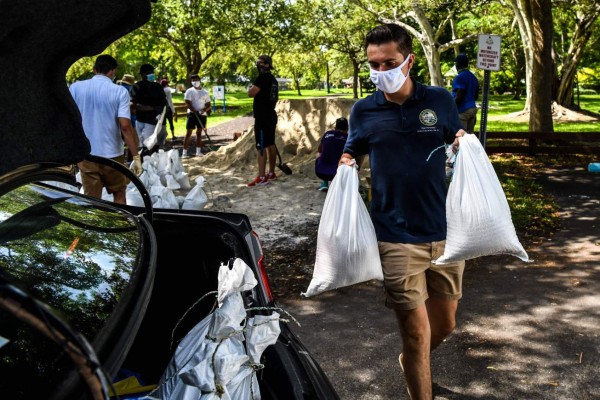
(460, 133)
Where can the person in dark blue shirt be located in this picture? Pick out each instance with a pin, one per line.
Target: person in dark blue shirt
(465, 90)
(404, 127)
(329, 152)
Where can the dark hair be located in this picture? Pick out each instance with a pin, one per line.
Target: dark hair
(196, 76)
(341, 124)
(104, 64)
(462, 61)
(390, 33)
(146, 69)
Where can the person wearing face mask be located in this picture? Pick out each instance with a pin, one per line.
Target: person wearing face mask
(404, 127)
(265, 91)
(149, 100)
(106, 120)
(198, 102)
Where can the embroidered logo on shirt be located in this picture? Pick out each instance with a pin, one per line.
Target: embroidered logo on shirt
(428, 117)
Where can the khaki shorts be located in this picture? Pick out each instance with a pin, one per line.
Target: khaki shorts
(410, 277)
(94, 177)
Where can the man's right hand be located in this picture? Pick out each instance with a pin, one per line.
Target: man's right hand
(347, 159)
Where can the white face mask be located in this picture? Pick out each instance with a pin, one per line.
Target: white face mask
(389, 81)
(196, 84)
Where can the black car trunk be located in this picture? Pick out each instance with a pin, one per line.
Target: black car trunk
(190, 253)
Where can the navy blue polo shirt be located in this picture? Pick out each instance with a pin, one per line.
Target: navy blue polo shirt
(405, 144)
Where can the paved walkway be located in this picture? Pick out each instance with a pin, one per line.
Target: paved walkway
(525, 330)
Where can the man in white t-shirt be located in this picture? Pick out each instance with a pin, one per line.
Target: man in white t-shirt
(106, 118)
(198, 102)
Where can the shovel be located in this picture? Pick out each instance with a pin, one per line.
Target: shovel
(210, 145)
(283, 167)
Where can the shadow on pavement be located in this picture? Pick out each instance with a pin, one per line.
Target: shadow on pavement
(525, 330)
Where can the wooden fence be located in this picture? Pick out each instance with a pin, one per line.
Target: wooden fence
(543, 142)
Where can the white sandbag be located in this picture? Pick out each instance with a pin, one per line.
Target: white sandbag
(196, 199)
(156, 190)
(235, 278)
(152, 140)
(261, 332)
(176, 165)
(227, 318)
(168, 199)
(133, 197)
(164, 163)
(347, 251)
(477, 212)
(171, 183)
(183, 180)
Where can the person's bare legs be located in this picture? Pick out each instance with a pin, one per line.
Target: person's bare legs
(198, 137)
(272, 154)
(422, 330)
(261, 158)
(187, 138)
(414, 329)
(120, 197)
(442, 318)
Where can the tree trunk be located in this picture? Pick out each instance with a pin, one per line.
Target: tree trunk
(327, 77)
(585, 20)
(539, 16)
(355, 83)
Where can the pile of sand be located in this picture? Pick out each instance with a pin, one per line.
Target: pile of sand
(290, 199)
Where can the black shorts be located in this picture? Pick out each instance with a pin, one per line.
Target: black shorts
(192, 121)
(264, 131)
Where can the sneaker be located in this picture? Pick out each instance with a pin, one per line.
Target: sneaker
(324, 187)
(271, 176)
(199, 152)
(259, 181)
(185, 155)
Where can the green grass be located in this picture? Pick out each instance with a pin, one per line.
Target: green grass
(237, 103)
(534, 213)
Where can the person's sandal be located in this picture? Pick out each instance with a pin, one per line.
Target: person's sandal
(402, 368)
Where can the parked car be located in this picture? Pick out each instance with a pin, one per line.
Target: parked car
(91, 291)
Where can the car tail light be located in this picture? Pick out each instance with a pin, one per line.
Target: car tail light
(261, 268)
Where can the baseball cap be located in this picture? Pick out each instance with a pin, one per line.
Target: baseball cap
(266, 59)
(341, 124)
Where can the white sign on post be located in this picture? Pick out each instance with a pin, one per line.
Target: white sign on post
(488, 55)
(219, 92)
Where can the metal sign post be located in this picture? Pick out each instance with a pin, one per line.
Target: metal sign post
(219, 94)
(488, 59)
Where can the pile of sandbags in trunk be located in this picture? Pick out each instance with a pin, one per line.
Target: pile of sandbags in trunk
(219, 357)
